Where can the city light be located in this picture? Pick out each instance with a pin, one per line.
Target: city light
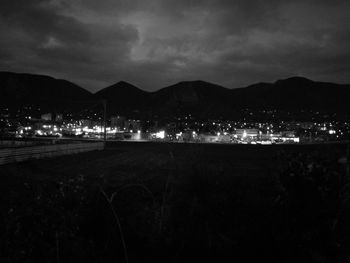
(182, 129)
(160, 135)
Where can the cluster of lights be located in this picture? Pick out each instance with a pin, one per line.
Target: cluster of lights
(160, 135)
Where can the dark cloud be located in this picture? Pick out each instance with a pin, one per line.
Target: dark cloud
(155, 43)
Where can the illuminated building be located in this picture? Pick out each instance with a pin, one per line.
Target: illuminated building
(247, 133)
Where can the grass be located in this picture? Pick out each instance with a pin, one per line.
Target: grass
(116, 217)
(141, 202)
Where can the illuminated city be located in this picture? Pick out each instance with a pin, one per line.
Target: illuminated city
(174, 131)
(185, 129)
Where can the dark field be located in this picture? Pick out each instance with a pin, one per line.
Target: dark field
(159, 202)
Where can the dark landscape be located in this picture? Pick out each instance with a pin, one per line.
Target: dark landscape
(174, 131)
(157, 202)
(202, 99)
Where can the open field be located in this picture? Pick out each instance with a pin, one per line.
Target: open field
(141, 202)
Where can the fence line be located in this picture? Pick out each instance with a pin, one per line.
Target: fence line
(18, 143)
(11, 155)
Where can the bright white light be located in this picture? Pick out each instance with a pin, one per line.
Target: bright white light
(218, 133)
(138, 131)
(244, 134)
(331, 131)
(160, 135)
(86, 129)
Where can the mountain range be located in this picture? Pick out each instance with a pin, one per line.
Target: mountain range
(200, 98)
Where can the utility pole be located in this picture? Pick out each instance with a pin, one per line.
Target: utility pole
(104, 120)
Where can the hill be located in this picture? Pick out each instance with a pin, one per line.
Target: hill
(200, 98)
(20, 89)
(207, 100)
(294, 94)
(124, 98)
(197, 97)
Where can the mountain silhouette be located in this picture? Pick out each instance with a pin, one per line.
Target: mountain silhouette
(18, 89)
(197, 97)
(123, 98)
(203, 99)
(294, 94)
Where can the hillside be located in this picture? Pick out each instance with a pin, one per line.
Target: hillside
(44, 91)
(208, 100)
(293, 94)
(123, 98)
(200, 98)
(197, 97)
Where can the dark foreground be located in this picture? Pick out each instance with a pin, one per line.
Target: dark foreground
(157, 202)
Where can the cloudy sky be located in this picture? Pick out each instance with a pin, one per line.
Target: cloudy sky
(155, 43)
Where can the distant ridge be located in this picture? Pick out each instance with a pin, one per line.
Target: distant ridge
(18, 89)
(201, 98)
(295, 93)
(197, 97)
(123, 98)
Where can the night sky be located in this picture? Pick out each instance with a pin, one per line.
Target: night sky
(155, 43)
